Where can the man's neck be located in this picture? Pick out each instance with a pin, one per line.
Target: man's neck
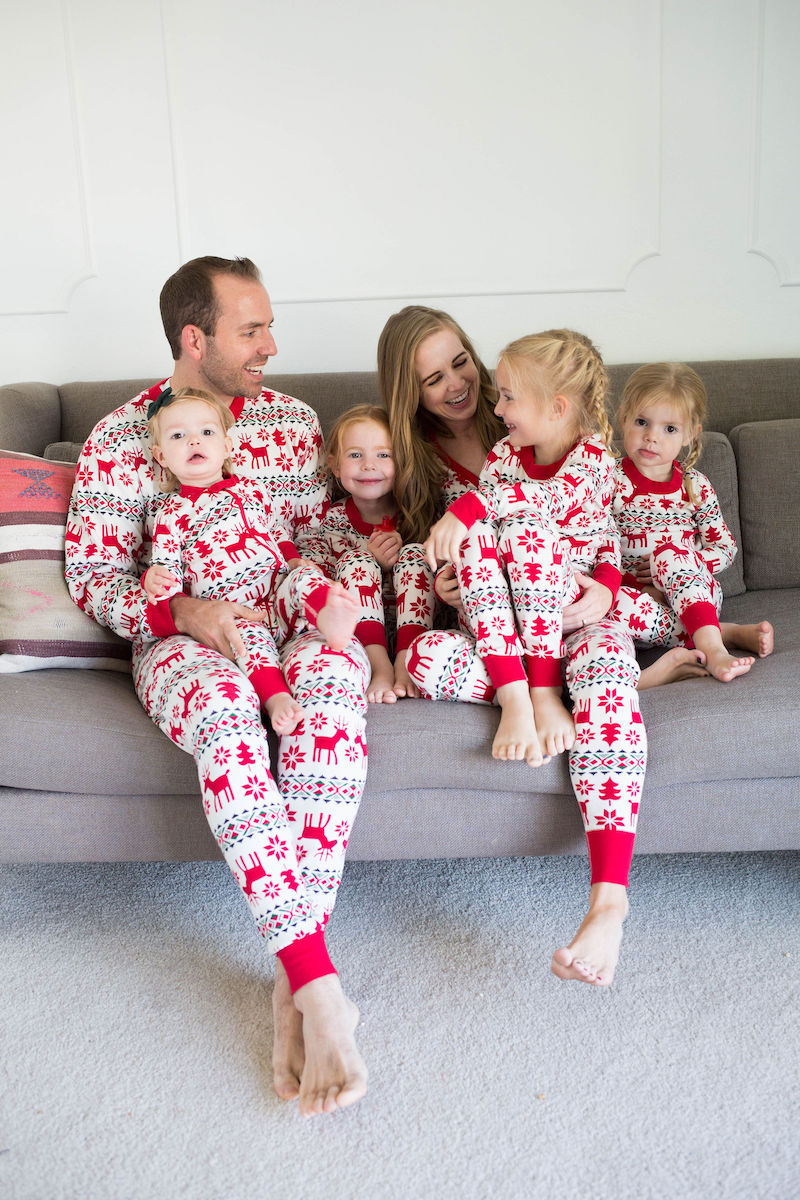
(186, 375)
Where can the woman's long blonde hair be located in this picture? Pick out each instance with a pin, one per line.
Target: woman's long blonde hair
(563, 362)
(673, 382)
(419, 471)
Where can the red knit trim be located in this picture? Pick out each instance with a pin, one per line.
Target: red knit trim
(315, 602)
(362, 525)
(305, 960)
(406, 635)
(504, 668)
(371, 633)
(697, 615)
(268, 681)
(609, 576)
(469, 508)
(160, 619)
(463, 474)
(610, 854)
(644, 486)
(543, 672)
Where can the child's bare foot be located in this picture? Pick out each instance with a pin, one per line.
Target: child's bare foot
(288, 1050)
(516, 739)
(404, 685)
(554, 725)
(673, 665)
(592, 955)
(334, 1075)
(758, 638)
(338, 618)
(284, 713)
(719, 661)
(381, 684)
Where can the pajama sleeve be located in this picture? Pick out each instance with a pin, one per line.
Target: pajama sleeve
(714, 541)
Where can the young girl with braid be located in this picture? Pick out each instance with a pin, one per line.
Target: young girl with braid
(545, 539)
(674, 539)
(366, 552)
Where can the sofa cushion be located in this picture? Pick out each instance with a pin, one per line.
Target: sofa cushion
(769, 485)
(40, 626)
(68, 452)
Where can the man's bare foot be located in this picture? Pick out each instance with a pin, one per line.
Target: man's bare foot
(592, 955)
(338, 618)
(381, 684)
(288, 1051)
(516, 739)
(759, 638)
(554, 725)
(334, 1075)
(404, 686)
(673, 665)
(719, 661)
(284, 713)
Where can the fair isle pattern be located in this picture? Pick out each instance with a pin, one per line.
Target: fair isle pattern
(285, 847)
(687, 542)
(116, 497)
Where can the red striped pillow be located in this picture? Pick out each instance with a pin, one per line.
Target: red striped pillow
(39, 624)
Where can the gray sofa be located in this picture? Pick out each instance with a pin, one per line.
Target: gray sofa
(84, 774)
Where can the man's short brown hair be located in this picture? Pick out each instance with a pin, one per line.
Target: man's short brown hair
(188, 296)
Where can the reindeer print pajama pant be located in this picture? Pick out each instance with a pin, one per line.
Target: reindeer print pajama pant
(285, 844)
(694, 599)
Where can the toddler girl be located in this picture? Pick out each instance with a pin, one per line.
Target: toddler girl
(217, 539)
(673, 536)
(365, 550)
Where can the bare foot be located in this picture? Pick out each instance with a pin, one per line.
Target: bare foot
(758, 639)
(554, 725)
(338, 618)
(516, 739)
(404, 685)
(334, 1075)
(288, 1051)
(284, 713)
(719, 661)
(381, 684)
(592, 955)
(673, 665)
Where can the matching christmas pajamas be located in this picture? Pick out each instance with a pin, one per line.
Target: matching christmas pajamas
(284, 844)
(686, 542)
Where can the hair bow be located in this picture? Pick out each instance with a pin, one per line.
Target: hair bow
(166, 396)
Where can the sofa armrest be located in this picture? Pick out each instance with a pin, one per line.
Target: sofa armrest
(30, 416)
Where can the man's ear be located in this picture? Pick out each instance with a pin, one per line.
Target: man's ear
(193, 341)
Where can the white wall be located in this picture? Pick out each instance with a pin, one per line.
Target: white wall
(627, 167)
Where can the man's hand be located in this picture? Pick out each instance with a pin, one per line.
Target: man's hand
(211, 622)
(386, 545)
(592, 605)
(447, 587)
(444, 540)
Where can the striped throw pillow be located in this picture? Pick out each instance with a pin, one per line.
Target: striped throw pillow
(39, 624)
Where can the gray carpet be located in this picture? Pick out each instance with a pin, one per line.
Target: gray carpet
(136, 1034)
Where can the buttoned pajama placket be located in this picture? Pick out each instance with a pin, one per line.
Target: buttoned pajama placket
(284, 846)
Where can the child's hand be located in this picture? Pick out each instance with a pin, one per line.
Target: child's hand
(444, 540)
(292, 563)
(385, 544)
(447, 587)
(592, 605)
(160, 584)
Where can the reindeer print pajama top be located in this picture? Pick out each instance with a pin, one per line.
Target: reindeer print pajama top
(529, 526)
(284, 844)
(684, 536)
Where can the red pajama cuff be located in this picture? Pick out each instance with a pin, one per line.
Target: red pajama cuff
(159, 618)
(371, 633)
(305, 960)
(609, 576)
(268, 681)
(469, 508)
(543, 672)
(504, 668)
(697, 615)
(610, 854)
(406, 635)
(315, 601)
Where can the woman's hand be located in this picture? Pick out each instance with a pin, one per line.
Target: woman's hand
(444, 540)
(386, 545)
(447, 587)
(592, 605)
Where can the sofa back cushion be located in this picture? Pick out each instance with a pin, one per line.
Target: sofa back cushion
(769, 504)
